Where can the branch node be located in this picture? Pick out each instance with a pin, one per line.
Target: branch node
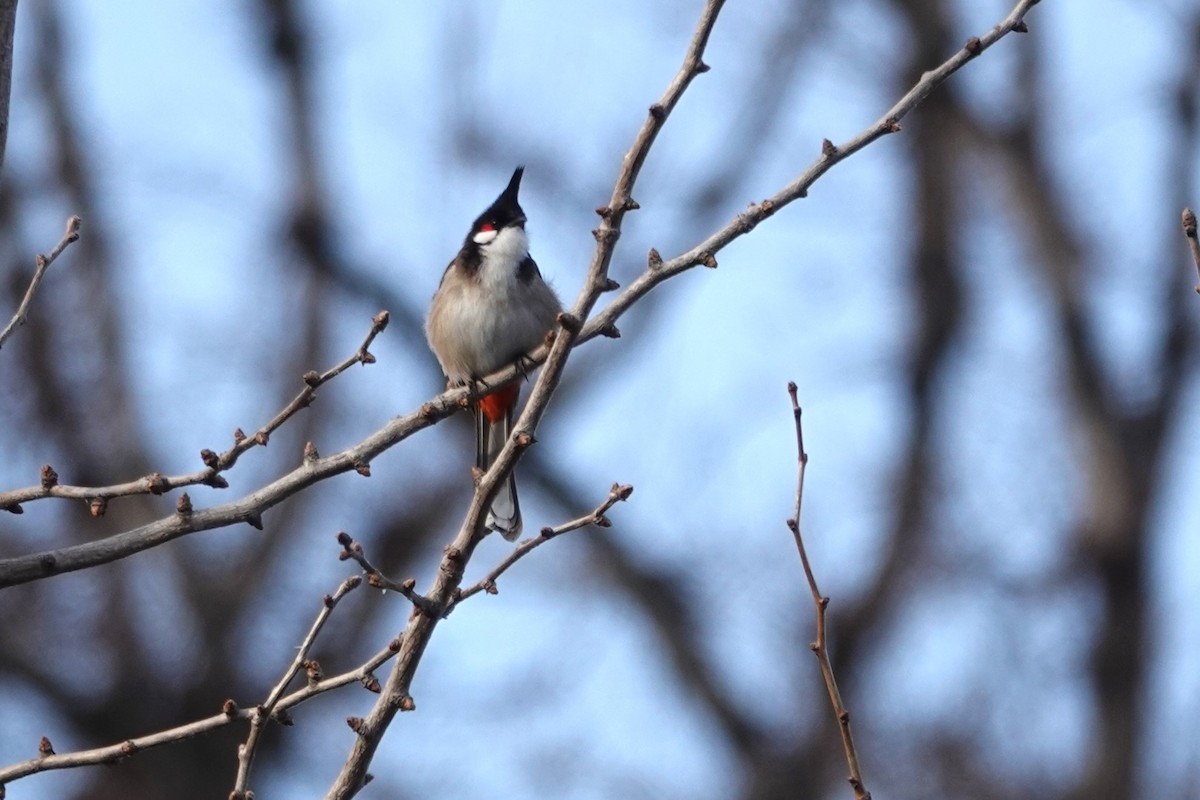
(658, 112)
(973, 46)
(357, 725)
(49, 477)
(255, 521)
(630, 204)
(653, 259)
(610, 285)
(363, 468)
(604, 211)
(568, 322)
(239, 436)
(157, 483)
(183, 506)
(261, 438)
(380, 321)
(45, 748)
(828, 148)
(310, 453)
(1021, 27)
(210, 458)
(97, 506)
(702, 68)
(611, 331)
(312, 379)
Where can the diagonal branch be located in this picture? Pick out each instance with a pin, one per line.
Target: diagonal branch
(157, 483)
(260, 714)
(43, 263)
(230, 713)
(617, 494)
(820, 647)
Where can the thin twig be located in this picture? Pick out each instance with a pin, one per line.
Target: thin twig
(260, 714)
(231, 713)
(43, 263)
(618, 493)
(375, 577)
(820, 647)
(1189, 230)
(157, 483)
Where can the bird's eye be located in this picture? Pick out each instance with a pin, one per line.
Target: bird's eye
(487, 226)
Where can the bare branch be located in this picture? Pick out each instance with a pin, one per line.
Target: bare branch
(375, 577)
(260, 714)
(43, 261)
(820, 646)
(230, 713)
(1189, 230)
(8, 26)
(704, 253)
(157, 483)
(617, 494)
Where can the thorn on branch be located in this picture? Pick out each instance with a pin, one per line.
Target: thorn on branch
(828, 148)
(653, 259)
(1021, 27)
(630, 204)
(310, 453)
(239, 436)
(49, 477)
(14, 508)
(366, 357)
(702, 68)
(183, 505)
(610, 285)
(255, 521)
(611, 331)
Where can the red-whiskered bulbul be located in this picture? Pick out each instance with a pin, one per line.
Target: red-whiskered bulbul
(491, 308)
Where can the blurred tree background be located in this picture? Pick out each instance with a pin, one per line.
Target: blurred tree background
(989, 316)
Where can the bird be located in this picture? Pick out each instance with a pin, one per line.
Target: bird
(490, 309)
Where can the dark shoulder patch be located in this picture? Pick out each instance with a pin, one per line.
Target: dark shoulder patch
(469, 259)
(528, 270)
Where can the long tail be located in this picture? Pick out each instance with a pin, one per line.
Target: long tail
(493, 425)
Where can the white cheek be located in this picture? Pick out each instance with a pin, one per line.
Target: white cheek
(484, 237)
